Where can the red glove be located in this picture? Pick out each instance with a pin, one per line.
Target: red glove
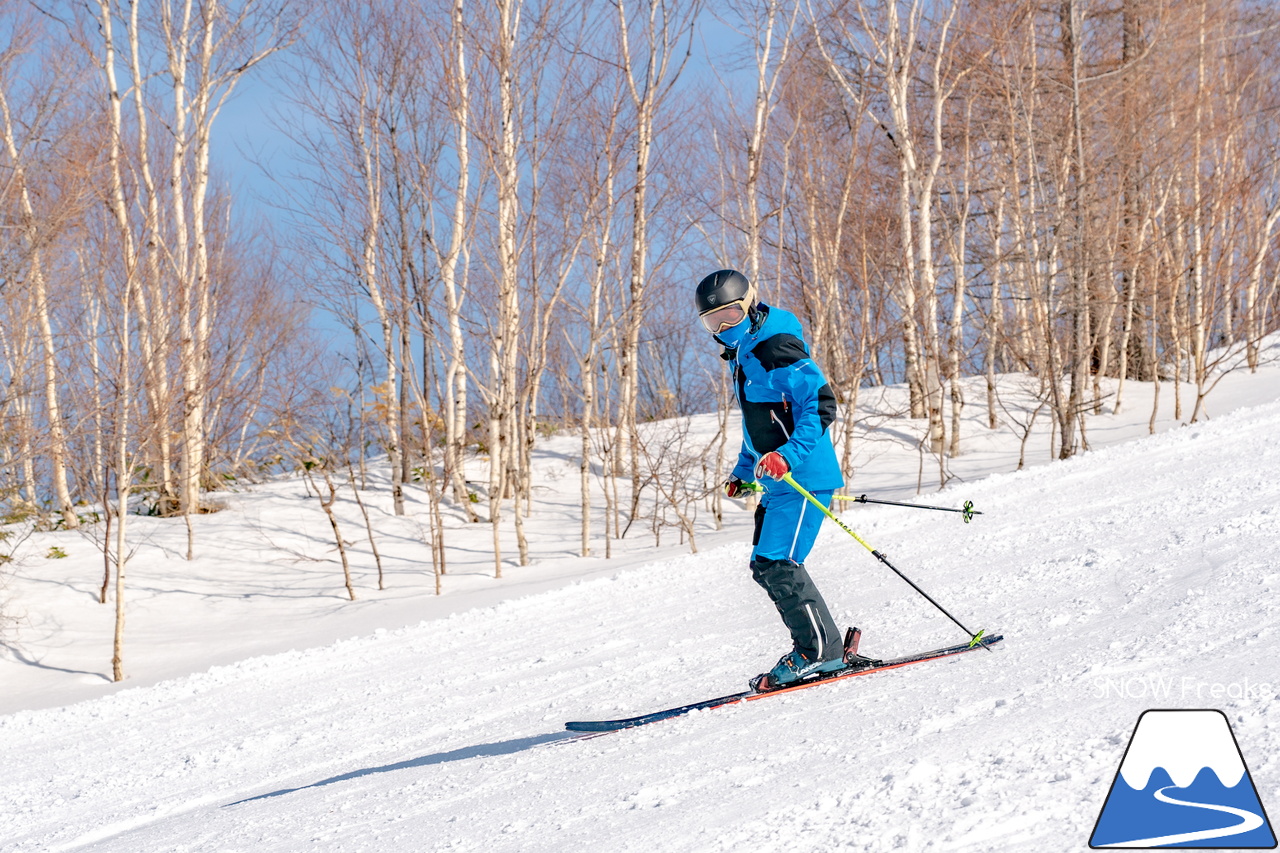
(772, 465)
(734, 487)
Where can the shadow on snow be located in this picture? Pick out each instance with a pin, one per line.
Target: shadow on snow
(506, 747)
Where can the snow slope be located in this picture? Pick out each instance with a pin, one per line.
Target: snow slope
(1143, 574)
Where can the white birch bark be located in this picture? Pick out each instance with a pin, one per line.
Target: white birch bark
(895, 41)
(505, 346)
(39, 285)
(116, 201)
(153, 308)
(649, 79)
(455, 367)
(1253, 327)
(195, 39)
(769, 66)
(1199, 258)
(955, 344)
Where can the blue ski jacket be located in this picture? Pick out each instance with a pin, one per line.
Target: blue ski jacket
(786, 402)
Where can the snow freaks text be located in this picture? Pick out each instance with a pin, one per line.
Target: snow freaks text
(1184, 688)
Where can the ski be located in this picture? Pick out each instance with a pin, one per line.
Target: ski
(859, 666)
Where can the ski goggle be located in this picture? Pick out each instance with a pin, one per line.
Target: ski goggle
(724, 317)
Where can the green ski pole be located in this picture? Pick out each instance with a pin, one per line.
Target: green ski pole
(975, 639)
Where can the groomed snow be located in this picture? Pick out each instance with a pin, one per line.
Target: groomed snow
(1140, 575)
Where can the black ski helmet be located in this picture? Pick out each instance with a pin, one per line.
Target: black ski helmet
(723, 287)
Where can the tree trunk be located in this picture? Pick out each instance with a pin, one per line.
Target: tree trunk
(455, 370)
(506, 342)
(40, 299)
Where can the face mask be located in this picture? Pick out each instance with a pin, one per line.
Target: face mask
(733, 336)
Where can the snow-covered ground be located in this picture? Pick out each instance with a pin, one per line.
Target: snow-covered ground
(1143, 574)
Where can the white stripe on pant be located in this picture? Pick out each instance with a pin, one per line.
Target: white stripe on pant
(817, 631)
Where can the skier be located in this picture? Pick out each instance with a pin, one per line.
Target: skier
(787, 410)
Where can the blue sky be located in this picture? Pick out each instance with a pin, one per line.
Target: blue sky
(247, 134)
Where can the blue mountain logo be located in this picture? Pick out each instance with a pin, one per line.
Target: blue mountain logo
(1183, 783)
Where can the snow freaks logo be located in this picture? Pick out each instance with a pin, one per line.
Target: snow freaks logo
(1183, 783)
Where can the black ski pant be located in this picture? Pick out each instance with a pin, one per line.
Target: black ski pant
(796, 596)
(801, 607)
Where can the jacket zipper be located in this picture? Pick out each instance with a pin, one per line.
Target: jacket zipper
(773, 416)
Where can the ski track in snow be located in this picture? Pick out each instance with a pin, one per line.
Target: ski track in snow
(1151, 560)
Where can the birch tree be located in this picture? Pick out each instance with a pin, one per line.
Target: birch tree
(504, 55)
(771, 26)
(40, 301)
(19, 142)
(448, 257)
(119, 313)
(205, 47)
(650, 34)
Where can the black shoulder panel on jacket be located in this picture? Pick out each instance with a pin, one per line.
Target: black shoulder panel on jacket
(827, 406)
(780, 350)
